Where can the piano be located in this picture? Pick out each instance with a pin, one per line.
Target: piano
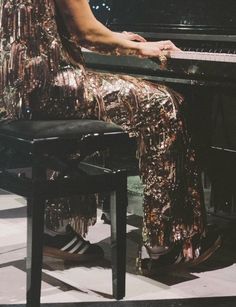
(205, 73)
(204, 29)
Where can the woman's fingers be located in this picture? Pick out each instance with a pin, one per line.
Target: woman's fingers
(168, 45)
(138, 38)
(161, 49)
(134, 37)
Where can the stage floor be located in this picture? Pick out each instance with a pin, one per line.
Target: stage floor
(69, 283)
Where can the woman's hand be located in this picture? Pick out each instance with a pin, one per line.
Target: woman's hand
(130, 36)
(155, 49)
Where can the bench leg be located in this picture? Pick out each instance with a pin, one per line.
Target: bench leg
(118, 238)
(35, 224)
(35, 228)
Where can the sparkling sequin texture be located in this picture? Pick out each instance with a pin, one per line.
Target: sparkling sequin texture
(42, 76)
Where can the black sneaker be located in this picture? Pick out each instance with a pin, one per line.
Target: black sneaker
(171, 258)
(71, 247)
(205, 247)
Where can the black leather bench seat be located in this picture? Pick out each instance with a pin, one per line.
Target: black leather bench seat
(53, 135)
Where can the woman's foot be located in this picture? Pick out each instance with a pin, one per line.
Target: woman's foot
(204, 249)
(71, 247)
(149, 266)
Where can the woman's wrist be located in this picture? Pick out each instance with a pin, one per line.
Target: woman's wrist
(129, 48)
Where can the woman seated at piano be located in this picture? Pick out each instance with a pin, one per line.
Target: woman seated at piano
(53, 83)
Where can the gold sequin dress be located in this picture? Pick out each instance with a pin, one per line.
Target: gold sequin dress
(42, 76)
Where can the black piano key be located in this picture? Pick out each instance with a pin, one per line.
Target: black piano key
(209, 49)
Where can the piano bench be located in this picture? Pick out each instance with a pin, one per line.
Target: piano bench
(50, 145)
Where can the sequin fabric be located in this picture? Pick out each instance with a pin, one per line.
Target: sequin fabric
(42, 76)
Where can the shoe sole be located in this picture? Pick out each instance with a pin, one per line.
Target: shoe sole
(56, 253)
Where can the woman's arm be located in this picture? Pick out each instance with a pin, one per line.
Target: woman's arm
(130, 36)
(83, 25)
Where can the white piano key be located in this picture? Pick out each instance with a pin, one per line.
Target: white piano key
(204, 56)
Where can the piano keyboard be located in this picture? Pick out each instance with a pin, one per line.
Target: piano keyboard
(204, 56)
(185, 67)
(192, 55)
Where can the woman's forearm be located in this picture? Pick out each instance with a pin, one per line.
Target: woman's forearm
(90, 32)
(108, 42)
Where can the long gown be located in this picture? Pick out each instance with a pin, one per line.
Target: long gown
(42, 76)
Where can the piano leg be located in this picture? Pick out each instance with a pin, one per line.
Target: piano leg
(211, 120)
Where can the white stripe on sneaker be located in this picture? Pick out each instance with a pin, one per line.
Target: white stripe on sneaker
(76, 247)
(83, 249)
(69, 244)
